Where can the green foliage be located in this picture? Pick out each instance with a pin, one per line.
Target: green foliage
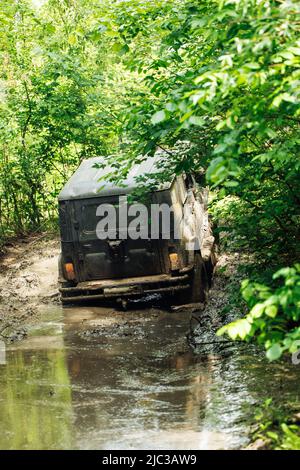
(57, 105)
(277, 427)
(274, 314)
(291, 437)
(224, 77)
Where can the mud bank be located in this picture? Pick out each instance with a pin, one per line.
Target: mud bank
(205, 323)
(28, 279)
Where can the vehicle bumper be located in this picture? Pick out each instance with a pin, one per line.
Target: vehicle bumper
(126, 288)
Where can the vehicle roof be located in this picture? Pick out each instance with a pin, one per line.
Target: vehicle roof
(88, 181)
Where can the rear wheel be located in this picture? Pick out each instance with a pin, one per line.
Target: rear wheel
(197, 290)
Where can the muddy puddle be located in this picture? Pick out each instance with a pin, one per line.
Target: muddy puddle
(96, 378)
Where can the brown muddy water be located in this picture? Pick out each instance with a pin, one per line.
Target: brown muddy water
(95, 378)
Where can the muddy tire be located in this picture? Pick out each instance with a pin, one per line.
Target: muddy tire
(210, 268)
(199, 282)
(198, 289)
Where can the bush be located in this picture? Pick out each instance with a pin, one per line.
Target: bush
(273, 318)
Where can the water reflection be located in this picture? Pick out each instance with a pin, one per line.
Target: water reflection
(35, 403)
(131, 383)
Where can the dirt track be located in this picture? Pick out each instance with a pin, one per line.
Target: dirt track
(28, 278)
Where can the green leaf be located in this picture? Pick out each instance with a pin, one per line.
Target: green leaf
(237, 329)
(231, 184)
(257, 310)
(274, 352)
(196, 120)
(72, 39)
(124, 49)
(271, 311)
(251, 66)
(158, 117)
(272, 435)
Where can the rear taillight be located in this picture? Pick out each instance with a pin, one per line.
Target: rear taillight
(69, 270)
(174, 261)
